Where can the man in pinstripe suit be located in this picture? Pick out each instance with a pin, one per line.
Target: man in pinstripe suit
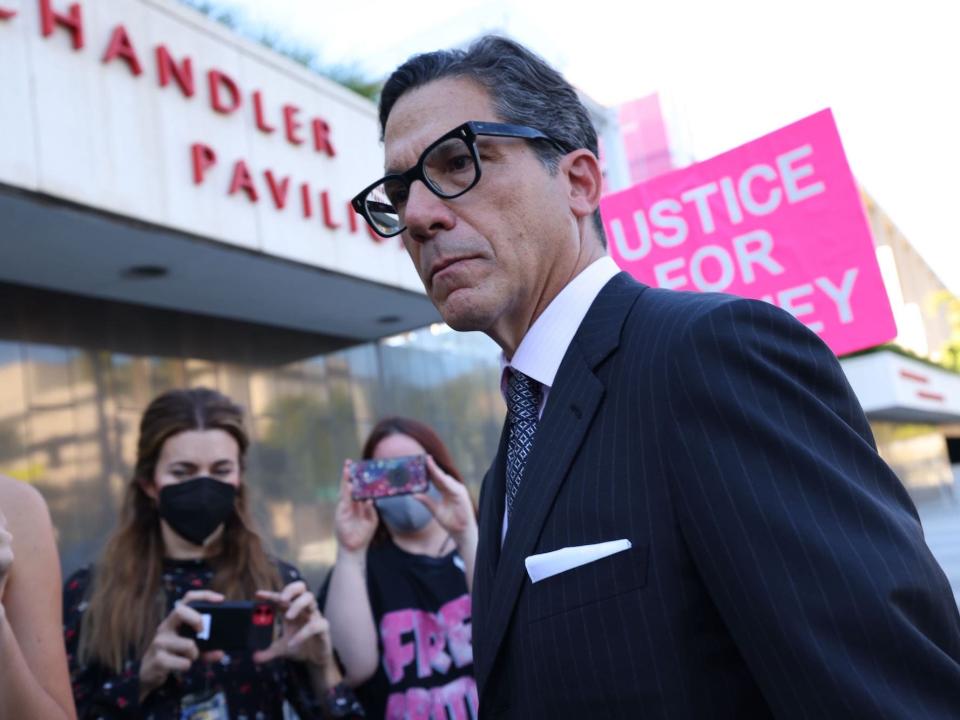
(687, 516)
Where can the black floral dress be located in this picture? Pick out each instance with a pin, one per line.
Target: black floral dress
(235, 688)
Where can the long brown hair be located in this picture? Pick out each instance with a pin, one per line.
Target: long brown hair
(423, 434)
(127, 601)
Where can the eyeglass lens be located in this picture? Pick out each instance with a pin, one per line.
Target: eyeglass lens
(449, 169)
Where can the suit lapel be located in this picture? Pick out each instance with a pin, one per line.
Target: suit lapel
(574, 398)
(491, 508)
(488, 549)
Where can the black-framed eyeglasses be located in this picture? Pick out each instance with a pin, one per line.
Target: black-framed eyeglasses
(449, 167)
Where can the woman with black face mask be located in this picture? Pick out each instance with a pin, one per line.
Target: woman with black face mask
(398, 598)
(185, 534)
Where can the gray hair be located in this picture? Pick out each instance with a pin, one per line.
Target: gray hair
(523, 88)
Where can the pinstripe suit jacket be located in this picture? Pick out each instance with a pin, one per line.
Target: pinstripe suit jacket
(778, 567)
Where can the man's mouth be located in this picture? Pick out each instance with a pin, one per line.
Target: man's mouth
(440, 265)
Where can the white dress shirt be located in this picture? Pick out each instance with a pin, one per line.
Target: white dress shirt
(546, 342)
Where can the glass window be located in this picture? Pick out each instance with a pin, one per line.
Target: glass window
(70, 414)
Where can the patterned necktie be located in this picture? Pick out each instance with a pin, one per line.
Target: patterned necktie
(523, 409)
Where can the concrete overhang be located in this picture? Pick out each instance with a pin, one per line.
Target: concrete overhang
(50, 244)
(895, 388)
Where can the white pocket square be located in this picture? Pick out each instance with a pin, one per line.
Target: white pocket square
(544, 565)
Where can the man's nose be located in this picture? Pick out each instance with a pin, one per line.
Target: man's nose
(426, 214)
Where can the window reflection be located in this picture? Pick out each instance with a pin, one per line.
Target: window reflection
(69, 416)
(918, 455)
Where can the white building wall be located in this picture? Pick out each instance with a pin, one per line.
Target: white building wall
(888, 384)
(79, 129)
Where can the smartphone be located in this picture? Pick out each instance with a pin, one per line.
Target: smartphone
(372, 479)
(233, 626)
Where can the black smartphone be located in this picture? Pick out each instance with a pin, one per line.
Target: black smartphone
(233, 626)
(387, 477)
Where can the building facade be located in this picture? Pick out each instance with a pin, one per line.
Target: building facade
(174, 212)
(912, 401)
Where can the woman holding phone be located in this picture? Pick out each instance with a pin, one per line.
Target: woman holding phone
(185, 535)
(33, 668)
(398, 597)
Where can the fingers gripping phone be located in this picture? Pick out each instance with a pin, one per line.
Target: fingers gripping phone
(233, 626)
(372, 479)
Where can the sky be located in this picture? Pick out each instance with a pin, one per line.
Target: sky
(730, 70)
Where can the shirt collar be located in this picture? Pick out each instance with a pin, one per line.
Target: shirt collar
(546, 342)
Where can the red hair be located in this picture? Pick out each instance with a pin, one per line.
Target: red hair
(423, 434)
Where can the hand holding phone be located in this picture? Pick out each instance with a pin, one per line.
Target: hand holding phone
(388, 477)
(355, 521)
(232, 626)
(170, 651)
(305, 634)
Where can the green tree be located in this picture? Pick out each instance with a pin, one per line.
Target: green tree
(348, 75)
(307, 440)
(950, 303)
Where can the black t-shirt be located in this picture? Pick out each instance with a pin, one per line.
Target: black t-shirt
(422, 612)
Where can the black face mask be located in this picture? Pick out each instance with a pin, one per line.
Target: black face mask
(197, 507)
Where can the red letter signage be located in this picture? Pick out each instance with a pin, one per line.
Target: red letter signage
(121, 47)
(291, 124)
(327, 215)
(217, 80)
(278, 189)
(203, 158)
(242, 181)
(7, 14)
(262, 123)
(72, 21)
(321, 138)
(307, 200)
(167, 69)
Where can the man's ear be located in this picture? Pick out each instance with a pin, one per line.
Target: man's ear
(582, 170)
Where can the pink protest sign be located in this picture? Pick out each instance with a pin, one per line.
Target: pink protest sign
(778, 219)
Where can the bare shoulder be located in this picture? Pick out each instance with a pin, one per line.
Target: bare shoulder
(36, 566)
(19, 494)
(24, 508)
